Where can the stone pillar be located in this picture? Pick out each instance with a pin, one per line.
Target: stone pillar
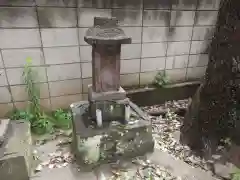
(106, 67)
(106, 39)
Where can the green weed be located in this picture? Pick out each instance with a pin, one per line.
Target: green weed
(41, 122)
(161, 79)
(236, 175)
(43, 125)
(19, 114)
(33, 91)
(63, 118)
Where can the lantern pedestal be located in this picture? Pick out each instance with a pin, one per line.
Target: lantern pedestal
(106, 96)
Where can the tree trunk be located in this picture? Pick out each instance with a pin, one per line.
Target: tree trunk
(211, 115)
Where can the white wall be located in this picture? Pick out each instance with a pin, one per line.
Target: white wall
(171, 37)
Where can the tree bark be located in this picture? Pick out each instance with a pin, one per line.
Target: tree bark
(211, 115)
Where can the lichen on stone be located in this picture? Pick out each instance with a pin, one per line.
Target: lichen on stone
(90, 149)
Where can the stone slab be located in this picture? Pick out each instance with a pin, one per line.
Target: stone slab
(14, 168)
(226, 161)
(179, 168)
(138, 110)
(106, 96)
(4, 124)
(17, 153)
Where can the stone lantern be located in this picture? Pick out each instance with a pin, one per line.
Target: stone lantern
(108, 126)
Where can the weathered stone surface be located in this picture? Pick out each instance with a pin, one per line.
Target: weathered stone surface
(106, 96)
(17, 157)
(224, 170)
(105, 101)
(111, 111)
(106, 31)
(226, 161)
(4, 124)
(106, 67)
(14, 168)
(114, 141)
(106, 39)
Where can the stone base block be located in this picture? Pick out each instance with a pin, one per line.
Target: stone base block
(93, 146)
(16, 153)
(106, 96)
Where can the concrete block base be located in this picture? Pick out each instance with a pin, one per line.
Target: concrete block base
(16, 153)
(93, 146)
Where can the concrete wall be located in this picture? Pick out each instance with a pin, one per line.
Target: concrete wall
(172, 36)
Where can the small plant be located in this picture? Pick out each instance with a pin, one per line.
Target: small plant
(32, 89)
(18, 114)
(63, 118)
(43, 125)
(40, 122)
(236, 175)
(161, 79)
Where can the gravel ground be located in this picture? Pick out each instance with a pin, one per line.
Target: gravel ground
(180, 104)
(145, 171)
(165, 130)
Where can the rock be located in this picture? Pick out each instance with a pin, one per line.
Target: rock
(17, 158)
(176, 136)
(227, 161)
(224, 170)
(4, 124)
(235, 155)
(90, 149)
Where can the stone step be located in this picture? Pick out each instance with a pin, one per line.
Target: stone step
(179, 168)
(16, 156)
